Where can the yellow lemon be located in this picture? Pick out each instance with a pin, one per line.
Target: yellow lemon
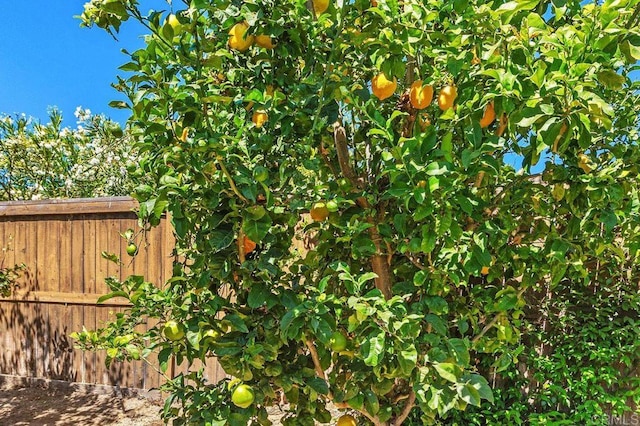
(173, 331)
(175, 24)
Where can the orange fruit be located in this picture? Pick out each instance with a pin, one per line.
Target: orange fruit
(347, 420)
(420, 96)
(319, 212)
(259, 118)
(488, 117)
(264, 41)
(447, 97)
(242, 396)
(239, 39)
(320, 6)
(248, 245)
(382, 87)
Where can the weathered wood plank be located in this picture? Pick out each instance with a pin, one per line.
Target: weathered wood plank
(60, 242)
(68, 207)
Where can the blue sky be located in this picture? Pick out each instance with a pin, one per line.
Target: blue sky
(47, 60)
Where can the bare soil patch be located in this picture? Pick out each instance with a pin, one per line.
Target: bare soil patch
(54, 406)
(50, 406)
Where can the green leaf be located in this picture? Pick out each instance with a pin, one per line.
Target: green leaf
(373, 348)
(469, 394)
(448, 371)
(447, 146)
(163, 358)
(257, 230)
(408, 358)
(356, 402)
(508, 10)
(611, 79)
(631, 51)
(237, 323)
(482, 386)
(506, 299)
(437, 323)
(257, 295)
(319, 385)
(221, 238)
(193, 337)
(106, 297)
(459, 349)
(371, 403)
(112, 257)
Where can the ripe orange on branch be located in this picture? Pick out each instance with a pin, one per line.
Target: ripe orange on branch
(382, 87)
(320, 6)
(319, 212)
(264, 41)
(347, 420)
(248, 245)
(259, 118)
(239, 39)
(447, 97)
(488, 117)
(420, 96)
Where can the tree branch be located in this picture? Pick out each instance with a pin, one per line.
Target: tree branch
(230, 179)
(340, 139)
(316, 359)
(407, 409)
(494, 321)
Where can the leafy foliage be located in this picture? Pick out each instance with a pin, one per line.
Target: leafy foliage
(48, 161)
(8, 277)
(437, 245)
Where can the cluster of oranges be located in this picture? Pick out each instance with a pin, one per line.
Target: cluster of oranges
(421, 96)
(241, 41)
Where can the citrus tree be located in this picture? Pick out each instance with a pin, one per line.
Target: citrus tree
(49, 160)
(351, 228)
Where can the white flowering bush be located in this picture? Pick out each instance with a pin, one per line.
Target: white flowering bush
(39, 161)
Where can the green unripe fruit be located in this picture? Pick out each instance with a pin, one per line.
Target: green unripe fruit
(173, 331)
(332, 206)
(338, 342)
(242, 396)
(132, 249)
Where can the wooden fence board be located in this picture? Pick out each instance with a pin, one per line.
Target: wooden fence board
(60, 242)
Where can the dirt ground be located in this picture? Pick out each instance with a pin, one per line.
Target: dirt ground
(46, 406)
(42, 406)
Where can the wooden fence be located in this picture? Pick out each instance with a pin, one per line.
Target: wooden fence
(60, 242)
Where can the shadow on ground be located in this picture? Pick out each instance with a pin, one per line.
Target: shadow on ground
(46, 406)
